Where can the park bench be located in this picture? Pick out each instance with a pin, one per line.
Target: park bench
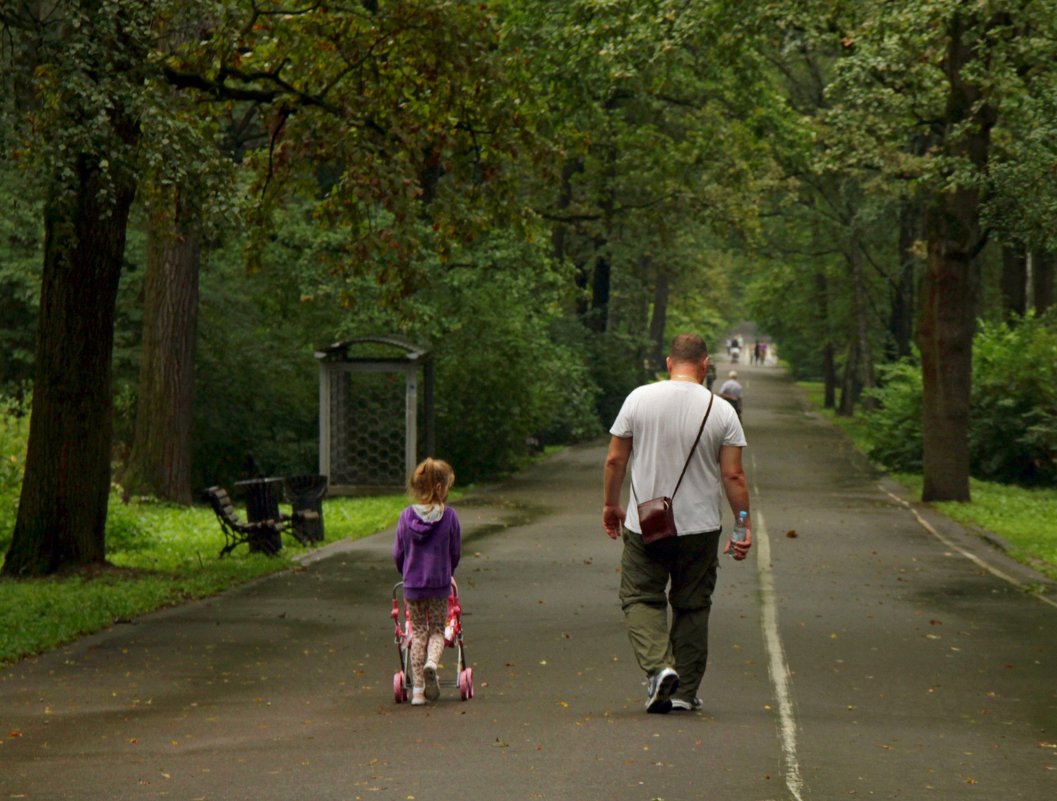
(264, 535)
(261, 535)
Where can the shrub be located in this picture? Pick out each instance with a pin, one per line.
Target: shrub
(14, 433)
(1013, 434)
(1013, 426)
(894, 429)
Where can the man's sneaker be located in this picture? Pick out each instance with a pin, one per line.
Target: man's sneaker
(418, 696)
(682, 705)
(429, 673)
(659, 689)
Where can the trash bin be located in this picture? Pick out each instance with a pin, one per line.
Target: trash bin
(262, 503)
(305, 494)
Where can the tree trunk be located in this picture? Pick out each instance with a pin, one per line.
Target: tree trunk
(952, 227)
(849, 385)
(659, 318)
(829, 376)
(901, 321)
(1014, 282)
(865, 371)
(946, 343)
(829, 360)
(598, 317)
(1042, 275)
(160, 464)
(61, 516)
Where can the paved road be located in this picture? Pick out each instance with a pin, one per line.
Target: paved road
(875, 654)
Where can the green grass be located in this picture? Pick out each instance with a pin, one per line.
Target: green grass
(162, 555)
(1026, 519)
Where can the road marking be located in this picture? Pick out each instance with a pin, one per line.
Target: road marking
(777, 666)
(994, 571)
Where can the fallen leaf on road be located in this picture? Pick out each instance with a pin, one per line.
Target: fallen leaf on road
(791, 534)
(500, 743)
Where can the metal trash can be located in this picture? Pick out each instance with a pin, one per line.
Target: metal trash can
(305, 494)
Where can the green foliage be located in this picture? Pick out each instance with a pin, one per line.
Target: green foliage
(1013, 434)
(21, 249)
(507, 367)
(894, 430)
(1013, 430)
(14, 433)
(256, 381)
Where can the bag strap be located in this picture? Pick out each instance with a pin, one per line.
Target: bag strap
(686, 464)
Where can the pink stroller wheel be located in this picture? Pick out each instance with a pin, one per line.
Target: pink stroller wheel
(399, 690)
(466, 684)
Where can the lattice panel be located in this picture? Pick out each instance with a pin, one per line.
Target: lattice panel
(367, 428)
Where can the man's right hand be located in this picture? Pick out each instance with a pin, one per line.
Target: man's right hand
(612, 520)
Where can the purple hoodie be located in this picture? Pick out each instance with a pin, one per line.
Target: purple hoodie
(426, 551)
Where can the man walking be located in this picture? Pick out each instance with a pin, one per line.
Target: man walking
(732, 392)
(659, 423)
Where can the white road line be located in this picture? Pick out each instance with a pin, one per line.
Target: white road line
(777, 666)
(994, 571)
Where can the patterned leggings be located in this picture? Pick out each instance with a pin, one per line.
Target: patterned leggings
(427, 627)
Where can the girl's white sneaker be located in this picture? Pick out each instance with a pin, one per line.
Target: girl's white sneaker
(429, 672)
(418, 696)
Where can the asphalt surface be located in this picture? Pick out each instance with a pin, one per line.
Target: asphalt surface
(867, 649)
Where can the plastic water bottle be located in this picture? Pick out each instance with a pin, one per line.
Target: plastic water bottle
(738, 534)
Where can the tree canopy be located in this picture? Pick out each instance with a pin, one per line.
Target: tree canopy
(235, 184)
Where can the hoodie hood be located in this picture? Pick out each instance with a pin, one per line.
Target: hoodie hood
(424, 519)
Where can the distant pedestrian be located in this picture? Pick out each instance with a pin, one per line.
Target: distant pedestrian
(657, 425)
(426, 550)
(732, 391)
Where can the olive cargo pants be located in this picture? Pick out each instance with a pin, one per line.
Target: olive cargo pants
(690, 562)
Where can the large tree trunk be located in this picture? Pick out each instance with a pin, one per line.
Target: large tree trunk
(160, 464)
(946, 342)
(952, 227)
(62, 510)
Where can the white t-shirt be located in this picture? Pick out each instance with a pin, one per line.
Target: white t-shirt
(662, 420)
(730, 387)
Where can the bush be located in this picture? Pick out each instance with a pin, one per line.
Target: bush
(894, 429)
(14, 433)
(1013, 427)
(1013, 434)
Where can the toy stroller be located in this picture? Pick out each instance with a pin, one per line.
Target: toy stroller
(403, 679)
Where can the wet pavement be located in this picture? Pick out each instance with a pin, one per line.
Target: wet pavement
(867, 649)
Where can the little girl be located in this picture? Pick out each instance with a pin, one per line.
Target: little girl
(426, 551)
